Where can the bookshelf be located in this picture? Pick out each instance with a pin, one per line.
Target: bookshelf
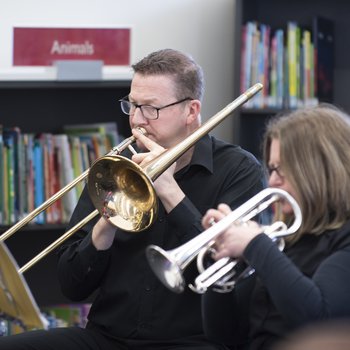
(249, 123)
(45, 106)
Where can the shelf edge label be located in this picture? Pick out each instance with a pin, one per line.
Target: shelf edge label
(44, 46)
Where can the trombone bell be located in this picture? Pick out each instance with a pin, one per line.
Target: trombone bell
(123, 193)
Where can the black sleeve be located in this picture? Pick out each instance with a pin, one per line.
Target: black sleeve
(298, 298)
(81, 267)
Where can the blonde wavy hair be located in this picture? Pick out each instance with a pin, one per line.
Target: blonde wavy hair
(315, 158)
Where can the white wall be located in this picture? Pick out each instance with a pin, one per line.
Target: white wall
(203, 28)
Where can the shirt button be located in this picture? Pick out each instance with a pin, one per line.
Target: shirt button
(148, 288)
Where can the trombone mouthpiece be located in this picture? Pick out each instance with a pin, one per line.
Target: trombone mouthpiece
(141, 130)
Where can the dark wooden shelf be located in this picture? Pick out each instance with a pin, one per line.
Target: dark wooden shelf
(249, 123)
(45, 106)
(262, 111)
(47, 84)
(35, 227)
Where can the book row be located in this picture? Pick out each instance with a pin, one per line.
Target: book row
(35, 167)
(63, 315)
(294, 64)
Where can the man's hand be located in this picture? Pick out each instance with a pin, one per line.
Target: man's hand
(165, 185)
(103, 234)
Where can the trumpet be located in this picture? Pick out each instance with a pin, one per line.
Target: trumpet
(224, 274)
(170, 265)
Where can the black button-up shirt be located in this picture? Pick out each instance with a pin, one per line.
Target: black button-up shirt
(131, 303)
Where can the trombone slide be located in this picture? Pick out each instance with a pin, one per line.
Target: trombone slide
(13, 229)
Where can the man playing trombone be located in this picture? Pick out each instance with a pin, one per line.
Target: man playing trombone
(132, 309)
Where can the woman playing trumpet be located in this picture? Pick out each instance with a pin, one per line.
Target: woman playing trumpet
(307, 154)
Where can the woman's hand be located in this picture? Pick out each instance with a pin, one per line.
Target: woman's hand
(234, 240)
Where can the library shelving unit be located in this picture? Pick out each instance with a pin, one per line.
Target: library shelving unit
(249, 123)
(45, 106)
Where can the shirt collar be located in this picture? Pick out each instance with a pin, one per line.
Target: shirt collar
(203, 153)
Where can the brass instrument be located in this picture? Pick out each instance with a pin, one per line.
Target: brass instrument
(120, 190)
(170, 265)
(127, 143)
(223, 274)
(16, 300)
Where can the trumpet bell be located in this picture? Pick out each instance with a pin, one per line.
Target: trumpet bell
(123, 193)
(166, 268)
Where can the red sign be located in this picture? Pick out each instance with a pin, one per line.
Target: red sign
(43, 46)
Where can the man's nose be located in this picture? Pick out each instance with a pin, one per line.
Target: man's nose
(137, 116)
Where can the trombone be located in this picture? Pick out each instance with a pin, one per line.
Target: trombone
(121, 190)
(127, 143)
(170, 265)
(16, 299)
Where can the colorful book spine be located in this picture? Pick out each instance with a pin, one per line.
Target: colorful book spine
(280, 79)
(2, 193)
(39, 188)
(10, 178)
(250, 47)
(292, 63)
(69, 200)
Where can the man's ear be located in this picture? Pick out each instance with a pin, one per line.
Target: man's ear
(194, 111)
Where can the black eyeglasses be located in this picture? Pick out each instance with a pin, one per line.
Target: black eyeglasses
(148, 111)
(277, 169)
